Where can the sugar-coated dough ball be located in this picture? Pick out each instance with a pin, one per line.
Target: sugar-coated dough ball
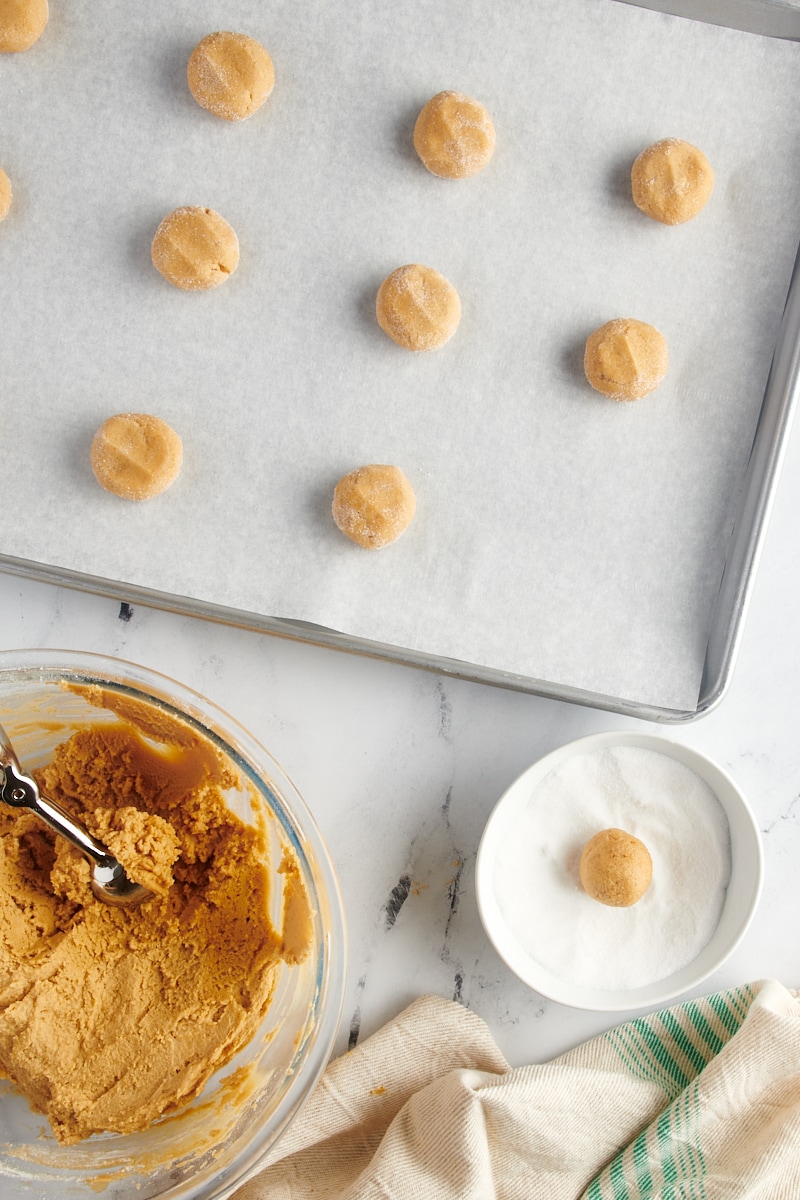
(5, 194)
(454, 136)
(22, 23)
(195, 248)
(616, 868)
(230, 74)
(671, 181)
(136, 456)
(373, 505)
(418, 308)
(625, 359)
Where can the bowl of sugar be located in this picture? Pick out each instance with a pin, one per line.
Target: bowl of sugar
(619, 872)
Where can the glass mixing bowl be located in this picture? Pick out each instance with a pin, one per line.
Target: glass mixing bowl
(208, 1148)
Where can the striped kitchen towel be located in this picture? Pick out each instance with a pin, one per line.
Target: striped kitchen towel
(698, 1102)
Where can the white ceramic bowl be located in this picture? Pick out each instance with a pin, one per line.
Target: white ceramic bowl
(739, 905)
(207, 1149)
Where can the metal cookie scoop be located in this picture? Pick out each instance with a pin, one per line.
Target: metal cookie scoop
(109, 881)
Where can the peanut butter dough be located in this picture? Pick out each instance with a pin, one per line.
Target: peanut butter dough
(136, 455)
(195, 249)
(454, 136)
(5, 194)
(373, 505)
(111, 1017)
(22, 22)
(230, 75)
(616, 868)
(147, 845)
(625, 359)
(418, 307)
(671, 181)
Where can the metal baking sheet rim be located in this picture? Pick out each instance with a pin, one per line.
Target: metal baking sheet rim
(748, 530)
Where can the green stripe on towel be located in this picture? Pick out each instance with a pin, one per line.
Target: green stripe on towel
(670, 1049)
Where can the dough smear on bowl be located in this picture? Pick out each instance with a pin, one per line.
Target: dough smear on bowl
(672, 181)
(418, 308)
(22, 22)
(136, 455)
(373, 505)
(625, 359)
(454, 136)
(230, 75)
(5, 194)
(111, 1017)
(195, 248)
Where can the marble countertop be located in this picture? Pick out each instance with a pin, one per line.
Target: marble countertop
(402, 767)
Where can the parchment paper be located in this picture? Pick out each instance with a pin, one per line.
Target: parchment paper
(558, 534)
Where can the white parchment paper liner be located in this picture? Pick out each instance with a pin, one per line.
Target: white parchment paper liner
(558, 535)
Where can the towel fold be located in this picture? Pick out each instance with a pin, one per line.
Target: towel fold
(699, 1100)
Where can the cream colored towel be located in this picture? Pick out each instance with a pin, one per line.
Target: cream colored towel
(700, 1100)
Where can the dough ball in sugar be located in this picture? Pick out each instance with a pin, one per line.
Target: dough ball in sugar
(418, 308)
(373, 505)
(5, 194)
(454, 136)
(671, 181)
(230, 75)
(625, 359)
(195, 249)
(136, 456)
(616, 868)
(22, 22)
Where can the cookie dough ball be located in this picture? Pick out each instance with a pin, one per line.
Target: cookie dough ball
(230, 74)
(22, 23)
(373, 505)
(195, 248)
(418, 308)
(616, 868)
(454, 136)
(671, 181)
(5, 194)
(625, 359)
(136, 456)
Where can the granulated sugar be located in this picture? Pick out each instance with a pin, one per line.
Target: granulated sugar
(536, 877)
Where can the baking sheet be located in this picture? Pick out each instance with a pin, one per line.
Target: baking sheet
(559, 536)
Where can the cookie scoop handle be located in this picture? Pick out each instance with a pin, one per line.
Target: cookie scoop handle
(109, 880)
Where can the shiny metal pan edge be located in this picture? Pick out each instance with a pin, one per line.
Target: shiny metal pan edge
(768, 18)
(755, 504)
(319, 635)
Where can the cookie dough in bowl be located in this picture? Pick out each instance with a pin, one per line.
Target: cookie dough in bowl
(155, 1050)
(615, 868)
